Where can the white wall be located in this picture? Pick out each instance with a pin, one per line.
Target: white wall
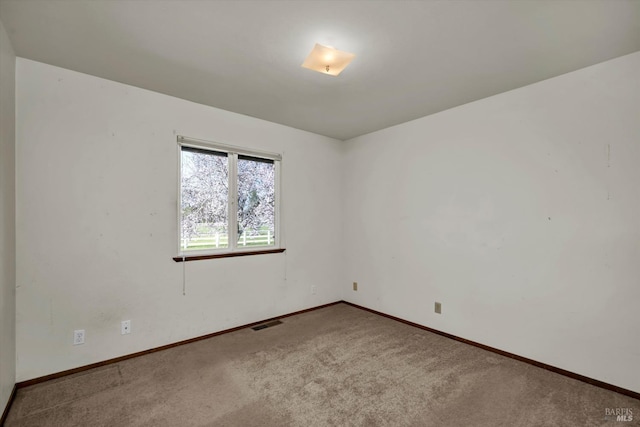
(520, 213)
(7, 219)
(96, 222)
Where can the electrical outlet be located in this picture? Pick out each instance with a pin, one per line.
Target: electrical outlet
(125, 327)
(438, 308)
(355, 286)
(313, 290)
(78, 337)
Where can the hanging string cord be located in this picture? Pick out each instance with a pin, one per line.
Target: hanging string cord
(184, 276)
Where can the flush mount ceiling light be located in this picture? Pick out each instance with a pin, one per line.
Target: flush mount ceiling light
(327, 60)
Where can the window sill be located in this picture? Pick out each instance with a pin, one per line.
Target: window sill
(226, 255)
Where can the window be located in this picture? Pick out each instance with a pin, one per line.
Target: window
(228, 199)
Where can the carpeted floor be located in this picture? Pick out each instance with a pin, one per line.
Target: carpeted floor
(337, 366)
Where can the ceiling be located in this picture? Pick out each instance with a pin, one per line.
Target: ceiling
(413, 58)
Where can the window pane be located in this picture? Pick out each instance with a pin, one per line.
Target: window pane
(256, 202)
(205, 192)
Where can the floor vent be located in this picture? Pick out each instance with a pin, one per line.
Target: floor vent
(266, 325)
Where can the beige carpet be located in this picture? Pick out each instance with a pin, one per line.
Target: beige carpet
(337, 366)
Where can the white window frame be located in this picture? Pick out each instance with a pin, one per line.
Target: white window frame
(232, 204)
